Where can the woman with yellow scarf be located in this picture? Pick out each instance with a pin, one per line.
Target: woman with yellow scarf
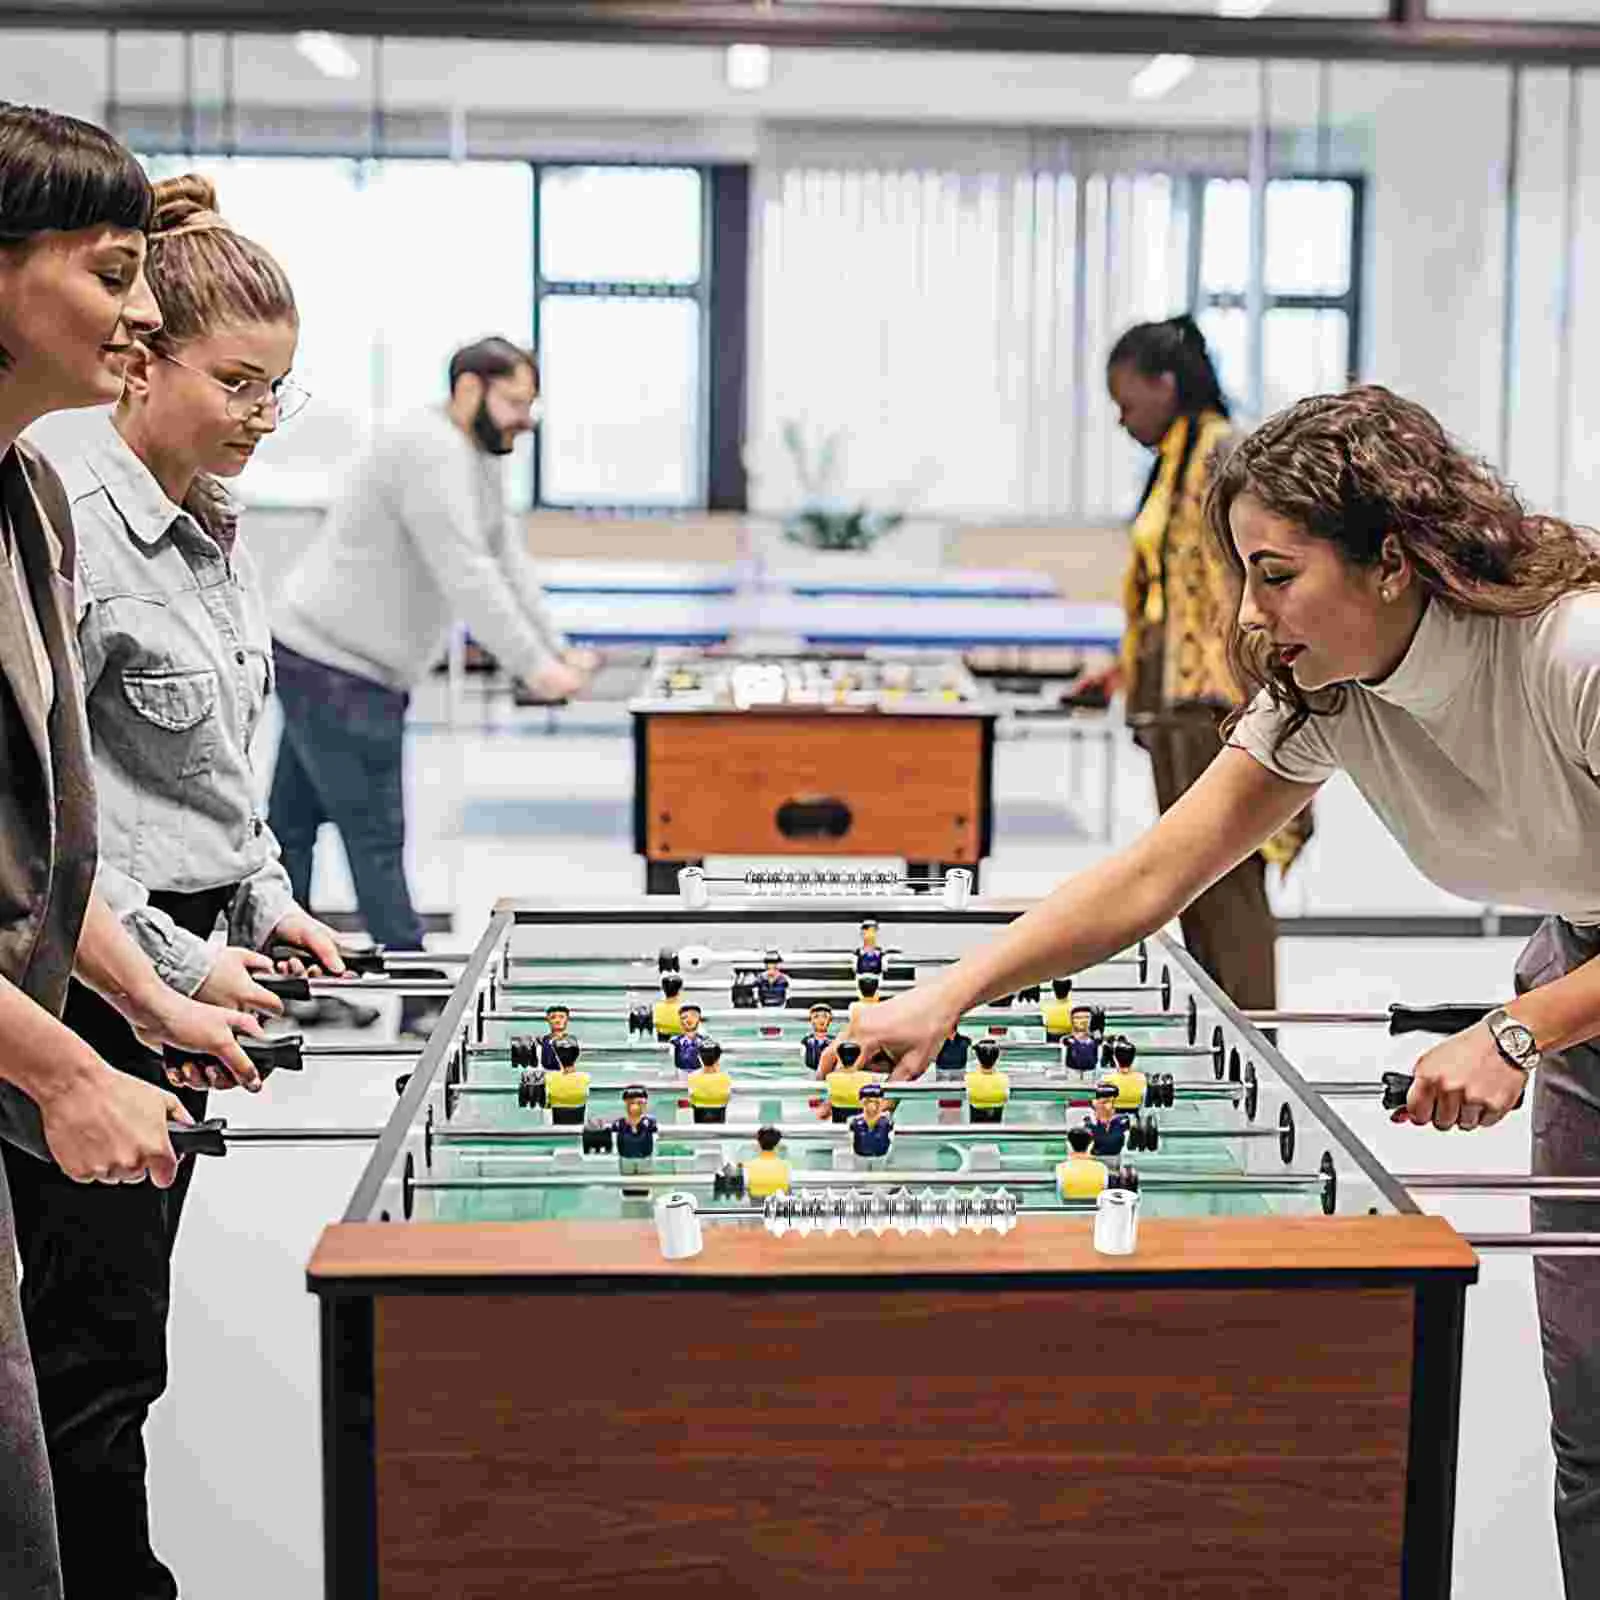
(1176, 682)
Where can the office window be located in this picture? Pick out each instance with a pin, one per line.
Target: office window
(1310, 282)
(622, 297)
(395, 264)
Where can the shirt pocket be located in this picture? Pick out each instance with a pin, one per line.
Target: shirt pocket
(177, 711)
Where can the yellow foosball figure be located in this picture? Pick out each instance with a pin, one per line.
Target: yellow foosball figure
(1055, 1009)
(1131, 1084)
(768, 1174)
(1080, 1176)
(667, 1012)
(988, 1088)
(710, 1088)
(846, 1082)
(566, 1091)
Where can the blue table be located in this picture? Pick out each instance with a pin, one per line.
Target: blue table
(698, 579)
(843, 622)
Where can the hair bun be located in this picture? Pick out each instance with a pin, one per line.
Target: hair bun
(187, 204)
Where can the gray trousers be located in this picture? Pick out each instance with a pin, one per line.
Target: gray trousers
(29, 1568)
(1566, 1141)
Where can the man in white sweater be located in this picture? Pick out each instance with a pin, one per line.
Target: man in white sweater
(417, 538)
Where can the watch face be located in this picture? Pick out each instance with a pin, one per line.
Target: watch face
(1517, 1039)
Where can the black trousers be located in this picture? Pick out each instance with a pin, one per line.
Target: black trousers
(96, 1289)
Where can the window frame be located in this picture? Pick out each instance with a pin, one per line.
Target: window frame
(1350, 302)
(701, 293)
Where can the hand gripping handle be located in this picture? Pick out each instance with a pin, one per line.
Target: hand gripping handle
(266, 1055)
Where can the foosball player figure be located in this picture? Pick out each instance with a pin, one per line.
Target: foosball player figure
(710, 1088)
(1131, 1084)
(686, 1047)
(867, 988)
(1080, 1176)
(558, 1019)
(869, 958)
(1108, 1127)
(635, 1135)
(988, 1088)
(845, 1082)
(1082, 1045)
(566, 1090)
(953, 1053)
(1056, 1010)
(772, 985)
(768, 1174)
(872, 1130)
(821, 1035)
(667, 1014)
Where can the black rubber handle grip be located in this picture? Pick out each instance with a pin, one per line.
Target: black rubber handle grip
(1397, 1089)
(198, 1139)
(285, 988)
(1435, 1019)
(360, 963)
(283, 1053)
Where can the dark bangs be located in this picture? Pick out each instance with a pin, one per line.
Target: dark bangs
(58, 174)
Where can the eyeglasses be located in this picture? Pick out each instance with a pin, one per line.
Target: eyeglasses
(249, 397)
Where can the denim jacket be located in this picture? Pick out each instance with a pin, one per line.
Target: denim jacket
(177, 661)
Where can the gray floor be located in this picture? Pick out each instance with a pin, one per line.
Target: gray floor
(234, 1451)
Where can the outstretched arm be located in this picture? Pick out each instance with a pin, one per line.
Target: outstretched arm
(1234, 807)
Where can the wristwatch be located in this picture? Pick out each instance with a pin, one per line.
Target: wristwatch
(1514, 1040)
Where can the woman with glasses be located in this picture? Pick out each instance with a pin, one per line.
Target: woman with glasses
(172, 622)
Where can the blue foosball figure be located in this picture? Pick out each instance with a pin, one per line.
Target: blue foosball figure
(817, 1041)
(772, 985)
(634, 1133)
(872, 1131)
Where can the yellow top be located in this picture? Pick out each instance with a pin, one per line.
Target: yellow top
(567, 1088)
(844, 1087)
(1057, 1014)
(1177, 581)
(987, 1089)
(768, 1174)
(708, 1088)
(1080, 1178)
(1130, 1089)
(667, 1018)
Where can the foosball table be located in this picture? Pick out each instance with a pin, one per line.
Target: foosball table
(898, 1360)
(866, 753)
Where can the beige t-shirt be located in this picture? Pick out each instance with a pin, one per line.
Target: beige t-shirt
(1480, 752)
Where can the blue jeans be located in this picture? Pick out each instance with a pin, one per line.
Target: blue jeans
(341, 762)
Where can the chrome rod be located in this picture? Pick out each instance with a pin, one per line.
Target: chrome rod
(1541, 1183)
(822, 1133)
(1538, 1244)
(781, 1088)
(1287, 1183)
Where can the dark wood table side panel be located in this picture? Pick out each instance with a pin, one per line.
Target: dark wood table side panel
(437, 1252)
(913, 784)
(1185, 1443)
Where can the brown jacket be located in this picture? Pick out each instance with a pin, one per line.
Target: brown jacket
(47, 802)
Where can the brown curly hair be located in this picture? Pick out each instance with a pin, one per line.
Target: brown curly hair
(1351, 468)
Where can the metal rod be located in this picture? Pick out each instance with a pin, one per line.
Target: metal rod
(1287, 1183)
(824, 1133)
(407, 986)
(390, 1047)
(1284, 1019)
(1000, 1019)
(1576, 1187)
(277, 1136)
(787, 1088)
(1537, 1244)
(1512, 245)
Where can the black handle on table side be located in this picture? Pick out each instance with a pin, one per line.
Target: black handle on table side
(361, 963)
(266, 1055)
(285, 988)
(199, 1138)
(1397, 1089)
(1444, 1019)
